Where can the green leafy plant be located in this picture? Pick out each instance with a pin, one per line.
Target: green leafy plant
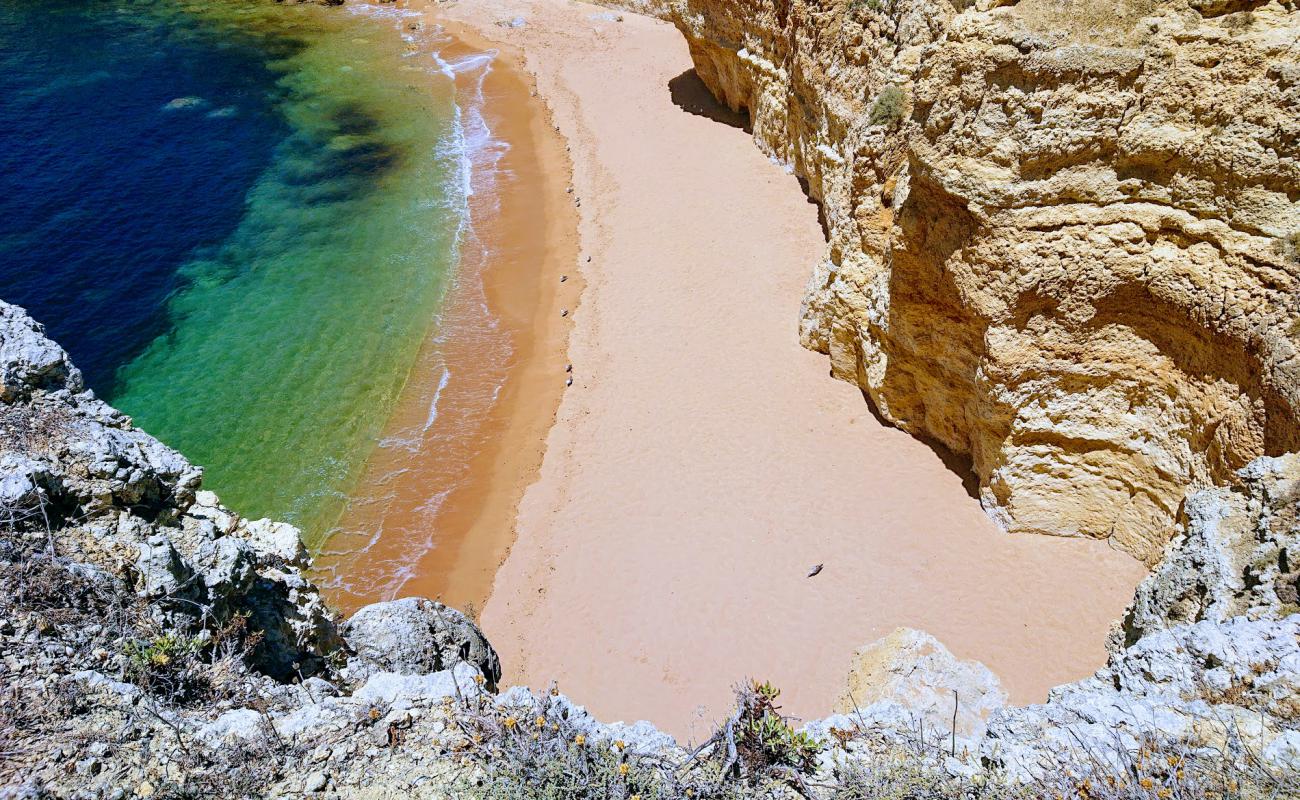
(1288, 246)
(889, 106)
(764, 738)
(167, 666)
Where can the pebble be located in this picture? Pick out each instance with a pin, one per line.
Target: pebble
(563, 278)
(564, 312)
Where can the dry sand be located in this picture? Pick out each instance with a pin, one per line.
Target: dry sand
(703, 460)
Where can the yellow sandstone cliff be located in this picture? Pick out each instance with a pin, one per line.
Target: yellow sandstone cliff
(1063, 234)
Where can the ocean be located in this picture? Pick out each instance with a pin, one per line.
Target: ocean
(242, 219)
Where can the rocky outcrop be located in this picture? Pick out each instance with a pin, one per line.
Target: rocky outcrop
(77, 478)
(1230, 687)
(1061, 236)
(1207, 658)
(414, 635)
(1238, 554)
(914, 670)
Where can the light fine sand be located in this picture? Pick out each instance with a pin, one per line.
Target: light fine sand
(703, 461)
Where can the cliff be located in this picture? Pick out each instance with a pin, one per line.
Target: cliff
(1063, 237)
(155, 644)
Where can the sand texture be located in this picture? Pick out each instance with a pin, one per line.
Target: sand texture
(703, 460)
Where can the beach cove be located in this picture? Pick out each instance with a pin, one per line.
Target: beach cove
(703, 461)
(579, 201)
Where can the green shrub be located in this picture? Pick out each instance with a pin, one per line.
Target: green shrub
(764, 739)
(889, 106)
(1288, 246)
(536, 753)
(857, 5)
(167, 666)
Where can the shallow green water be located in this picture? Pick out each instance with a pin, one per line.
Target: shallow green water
(287, 343)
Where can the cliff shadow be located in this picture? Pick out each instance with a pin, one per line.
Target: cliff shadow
(689, 93)
(960, 464)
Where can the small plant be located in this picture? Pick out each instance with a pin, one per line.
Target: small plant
(875, 5)
(1288, 246)
(166, 666)
(764, 737)
(888, 108)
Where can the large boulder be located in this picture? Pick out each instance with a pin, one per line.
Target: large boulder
(416, 635)
(912, 669)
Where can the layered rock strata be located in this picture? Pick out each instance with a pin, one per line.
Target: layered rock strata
(1062, 236)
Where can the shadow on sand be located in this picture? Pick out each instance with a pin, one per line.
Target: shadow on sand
(691, 95)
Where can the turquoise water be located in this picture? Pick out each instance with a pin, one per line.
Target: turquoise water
(240, 218)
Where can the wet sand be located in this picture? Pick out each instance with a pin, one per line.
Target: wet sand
(433, 514)
(703, 460)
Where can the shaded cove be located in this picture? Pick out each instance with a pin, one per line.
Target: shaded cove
(241, 220)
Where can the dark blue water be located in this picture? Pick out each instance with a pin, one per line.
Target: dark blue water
(129, 138)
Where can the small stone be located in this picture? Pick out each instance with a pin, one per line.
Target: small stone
(315, 782)
(563, 278)
(564, 312)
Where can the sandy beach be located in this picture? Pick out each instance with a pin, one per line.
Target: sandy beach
(433, 513)
(703, 461)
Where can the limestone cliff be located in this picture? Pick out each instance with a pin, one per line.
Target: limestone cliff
(1064, 235)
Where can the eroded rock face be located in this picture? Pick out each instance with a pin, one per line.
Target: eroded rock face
(1238, 555)
(1066, 249)
(76, 471)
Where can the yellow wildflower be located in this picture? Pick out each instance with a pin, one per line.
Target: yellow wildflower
(1165, 794)
(622, 769)
(620, 744)
(1146, 783)
(541, 722)
(510, 723)
(580, 740)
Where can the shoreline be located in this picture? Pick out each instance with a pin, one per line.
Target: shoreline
(704, 459)
(510, 264)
